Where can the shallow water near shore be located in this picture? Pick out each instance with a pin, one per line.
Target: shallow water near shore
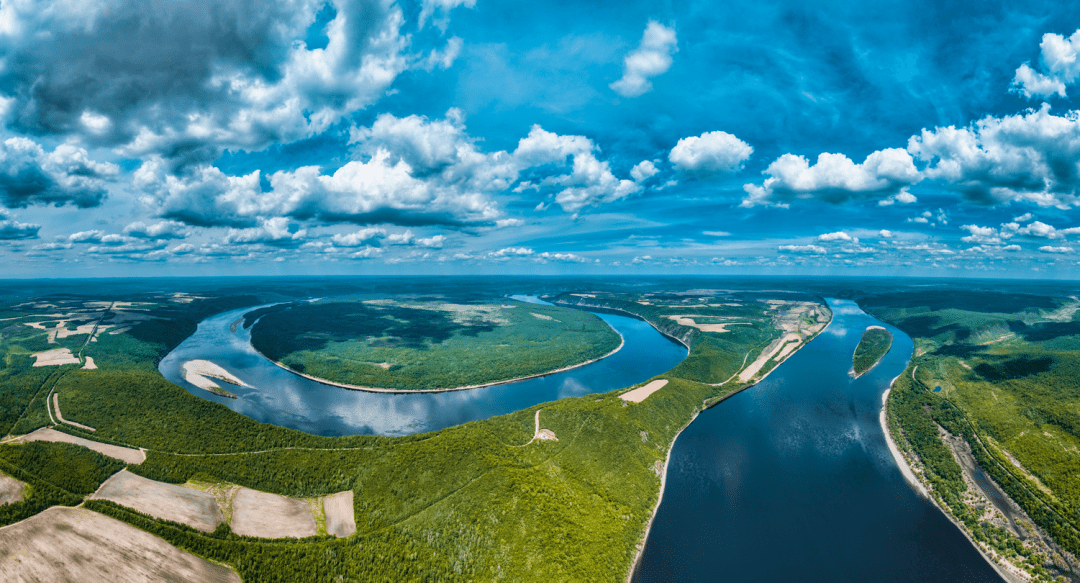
(288, 400)
(792, 480)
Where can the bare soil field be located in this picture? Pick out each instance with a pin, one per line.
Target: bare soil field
(11, 490)
(271, 516)
(124, 454)
(641, 393)
(160, 500)
(54, 357)
(74, 544)
(340, 518)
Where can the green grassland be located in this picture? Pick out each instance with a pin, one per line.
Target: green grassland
(468, 503)
(873, 346)
(1006, 376)
(429, 345)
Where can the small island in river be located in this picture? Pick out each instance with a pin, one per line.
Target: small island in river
(875, 344)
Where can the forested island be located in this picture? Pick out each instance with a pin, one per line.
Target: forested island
(875, 344)
(428, 345)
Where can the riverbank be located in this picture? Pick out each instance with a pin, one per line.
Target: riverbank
(706, 405)
(912, 479)
(622, 342)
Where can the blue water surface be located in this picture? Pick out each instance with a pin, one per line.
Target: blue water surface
(285, 399)
(792, 480)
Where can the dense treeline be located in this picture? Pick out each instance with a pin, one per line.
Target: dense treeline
(873, 346)
(19, 383)
(469, 495)
(407, 347)
(67, 466)
(142, 409)
(38, 496)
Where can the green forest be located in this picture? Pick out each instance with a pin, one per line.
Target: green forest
(1006, 377)
(428, 345)
(874, 345)
(464, 503)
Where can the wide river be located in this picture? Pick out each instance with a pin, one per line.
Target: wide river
(282, 398)
(792, 480)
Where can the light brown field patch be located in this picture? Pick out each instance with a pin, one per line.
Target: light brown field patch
(641, 393)
(54, 357)
(89, 364)
(124, 454)
(268, 515)
(340, 518)
(688, 320)
(160, 500)
(84, 329)
(75, 544)
(11, 490)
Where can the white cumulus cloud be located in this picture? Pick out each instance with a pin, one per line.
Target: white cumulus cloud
(710, 153)
(834, 178)
(650, 59)
(1060, 67)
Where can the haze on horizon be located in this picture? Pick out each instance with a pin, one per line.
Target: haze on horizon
(465, 136)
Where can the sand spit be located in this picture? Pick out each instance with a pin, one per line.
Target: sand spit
(124, 454)
(75, 544)
(160, 500)
(59, 417)
(199, 373)
(767, 355)
(55, 356)
(641, 393)
(340, 518)
(905, 468)
(268, 515)
(11, 490)
(908, 472)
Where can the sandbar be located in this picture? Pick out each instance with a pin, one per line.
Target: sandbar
(641, 393)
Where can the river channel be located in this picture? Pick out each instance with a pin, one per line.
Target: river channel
(792, 480)
(285, 399)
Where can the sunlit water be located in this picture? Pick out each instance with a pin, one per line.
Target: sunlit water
(792, 480)
(282, 398)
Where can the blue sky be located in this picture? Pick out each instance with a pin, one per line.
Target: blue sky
(474, 136)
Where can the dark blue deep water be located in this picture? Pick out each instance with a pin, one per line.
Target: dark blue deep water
(282, 398)
(792, 480)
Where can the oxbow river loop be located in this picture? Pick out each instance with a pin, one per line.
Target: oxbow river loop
(792, 480)
(281, 398)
